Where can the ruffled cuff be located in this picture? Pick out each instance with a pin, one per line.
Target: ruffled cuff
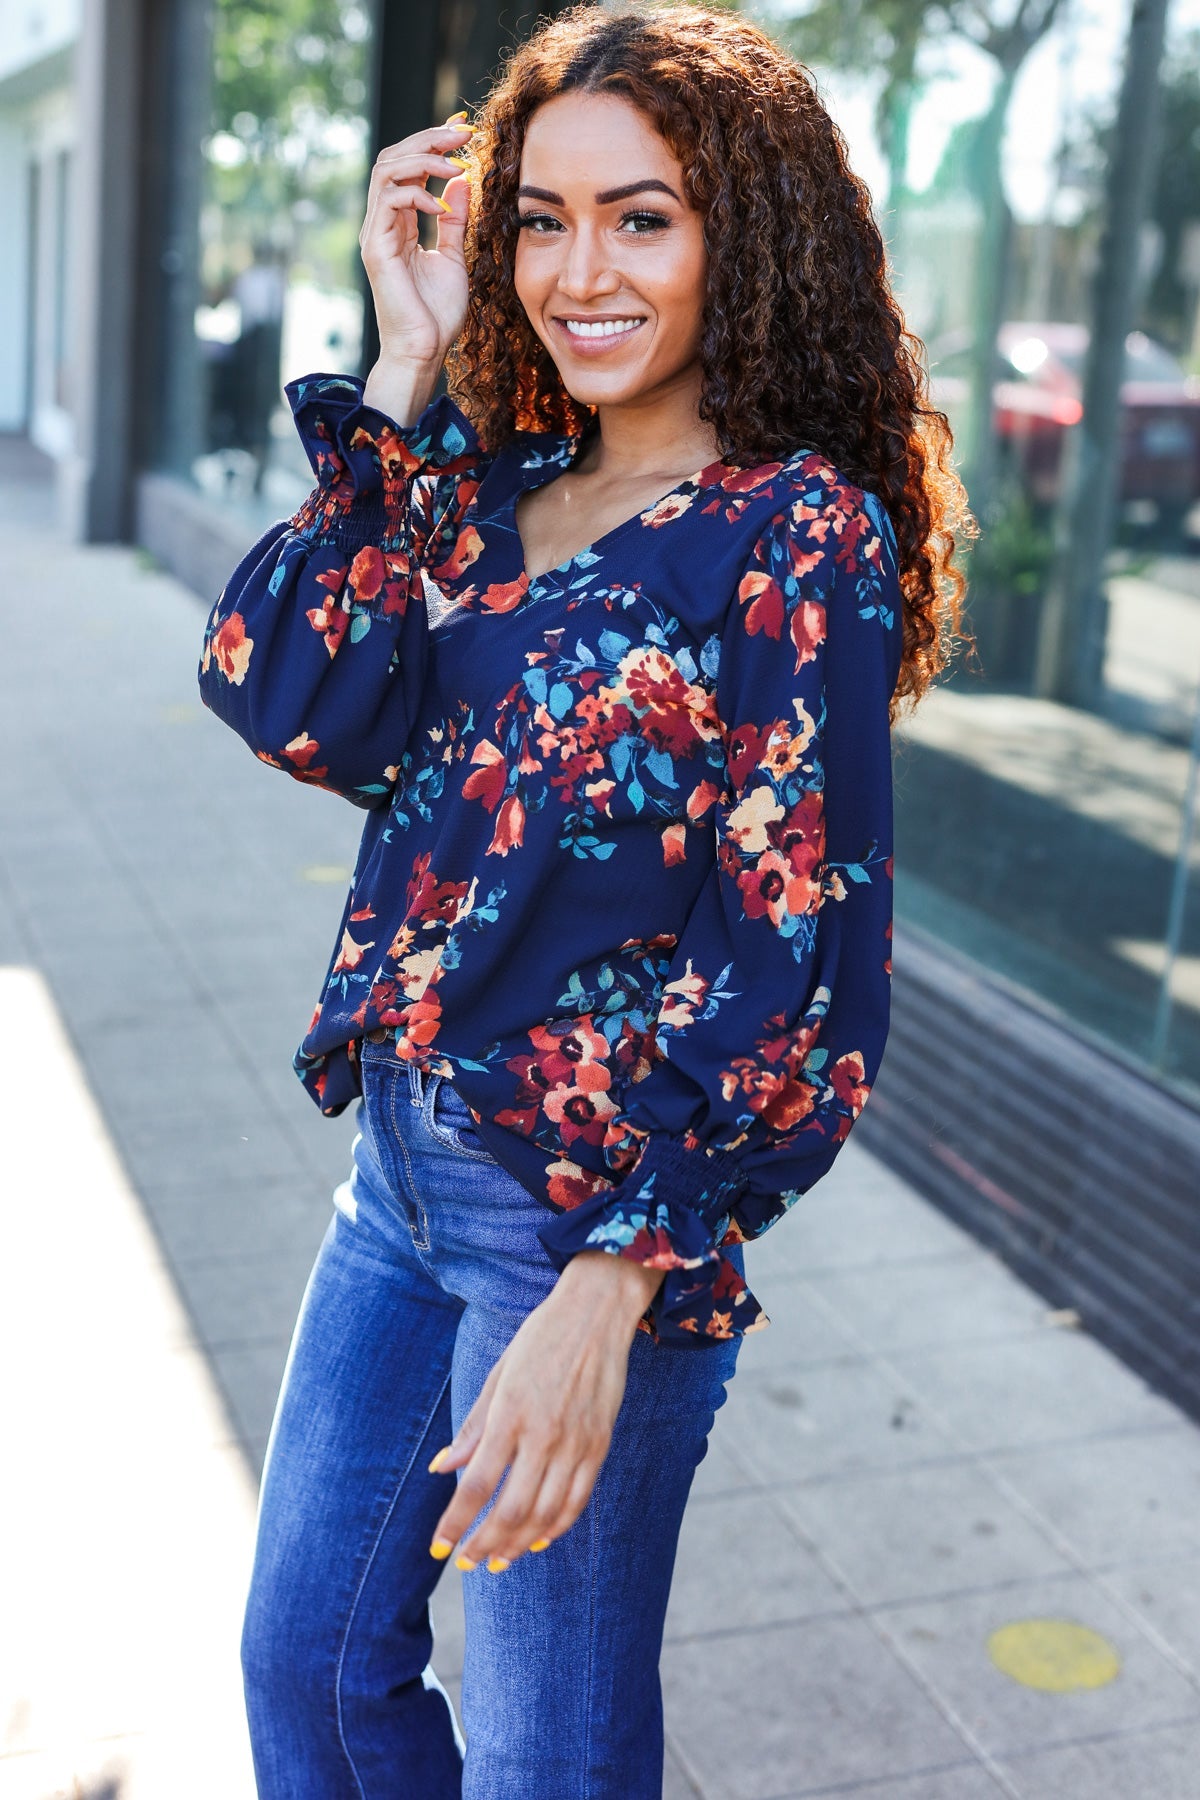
(670, 1212)
(364, 462)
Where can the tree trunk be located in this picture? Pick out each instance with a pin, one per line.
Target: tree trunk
(978, 452)
(1074, 623)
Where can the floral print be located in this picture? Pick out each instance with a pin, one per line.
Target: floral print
(626, 868)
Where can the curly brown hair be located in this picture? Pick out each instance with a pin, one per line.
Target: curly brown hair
(803, 344)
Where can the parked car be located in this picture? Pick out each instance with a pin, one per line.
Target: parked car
(1037, 398)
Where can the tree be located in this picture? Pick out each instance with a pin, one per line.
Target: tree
(1071, 651)
(872, 34)
(889, 34)
(1168, 307)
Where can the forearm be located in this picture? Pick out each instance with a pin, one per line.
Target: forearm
(609, 1289)
(401, 390)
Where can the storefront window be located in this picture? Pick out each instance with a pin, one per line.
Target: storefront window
(1046, 791)
(284, 176)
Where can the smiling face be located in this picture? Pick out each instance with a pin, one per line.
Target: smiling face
(611, 261)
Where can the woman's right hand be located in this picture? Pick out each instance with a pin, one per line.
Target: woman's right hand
(420, 295)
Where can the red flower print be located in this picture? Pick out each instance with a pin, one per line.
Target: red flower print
(430, 900)
(745, 749)
(605, 717)
(232, 648)
(808, 631)
(674, 840)
(746, 481)
(600, 793)
(510, 827)
(848, 1080)
(488, 781)
(569, 1186)
(504, 596)
(763, 599)
(300, 753)
(350, 954)
(367, 572)
(331, 620)
(667, 703)
(701, 799)
(466, 548)
(671, 506)
(795, 1101)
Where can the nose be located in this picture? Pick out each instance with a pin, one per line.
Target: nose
(586, 271)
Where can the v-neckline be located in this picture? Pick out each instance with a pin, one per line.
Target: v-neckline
(593, 549)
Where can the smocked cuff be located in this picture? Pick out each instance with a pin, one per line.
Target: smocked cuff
(363, 461)
(670, 1212)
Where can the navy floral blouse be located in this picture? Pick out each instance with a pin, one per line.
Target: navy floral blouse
(626, 873)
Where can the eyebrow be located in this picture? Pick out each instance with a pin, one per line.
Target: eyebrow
(606, 197)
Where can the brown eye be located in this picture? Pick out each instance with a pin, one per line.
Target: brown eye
(646, 222)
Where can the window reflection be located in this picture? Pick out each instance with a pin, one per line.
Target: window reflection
(284, 178)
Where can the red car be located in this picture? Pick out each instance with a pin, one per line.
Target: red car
(1036, 399)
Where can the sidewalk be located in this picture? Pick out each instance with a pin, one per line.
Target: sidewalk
(916, 1464)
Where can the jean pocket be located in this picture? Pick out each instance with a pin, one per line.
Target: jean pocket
(452, 1124)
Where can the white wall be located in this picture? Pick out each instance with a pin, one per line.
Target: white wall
(37, 123)
(33, 29)
(14, 235)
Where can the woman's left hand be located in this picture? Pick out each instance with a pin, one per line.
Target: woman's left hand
(545, 1413)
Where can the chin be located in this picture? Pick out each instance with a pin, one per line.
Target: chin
(613, 392)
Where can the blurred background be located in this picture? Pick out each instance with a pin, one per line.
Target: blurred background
(181, 188)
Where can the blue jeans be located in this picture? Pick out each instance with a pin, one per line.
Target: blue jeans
(430, 1263)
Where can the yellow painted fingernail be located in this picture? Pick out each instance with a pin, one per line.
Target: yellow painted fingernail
(464, 1563)
(460, 162)
(436, 1464)
(441, 1548)
(497, 1565)
(444, 204)
(540, 1544)
(460, 114)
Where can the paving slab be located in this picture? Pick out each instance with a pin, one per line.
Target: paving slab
(741, 1564)
(1161, 1764)
(905, 1533)
(830, 1419)
(1044, 1386)
(790, 1709)
(946, 1641)
(1116, 1499)
(1167, 1596)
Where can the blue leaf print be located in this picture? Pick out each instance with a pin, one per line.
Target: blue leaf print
(613, 646)
(661, 767)
(560, 699)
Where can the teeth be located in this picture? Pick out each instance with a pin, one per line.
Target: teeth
(600, 328)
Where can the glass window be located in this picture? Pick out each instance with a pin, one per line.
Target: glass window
(284, 180)
(1046, 789)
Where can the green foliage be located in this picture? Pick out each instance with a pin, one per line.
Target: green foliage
(1175, 203)
(287, 148)
(1014, 554)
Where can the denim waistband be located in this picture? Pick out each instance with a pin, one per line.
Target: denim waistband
(418, 1079)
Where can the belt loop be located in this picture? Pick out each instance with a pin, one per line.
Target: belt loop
(414, 1084)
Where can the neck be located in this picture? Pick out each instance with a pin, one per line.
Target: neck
(654, 433)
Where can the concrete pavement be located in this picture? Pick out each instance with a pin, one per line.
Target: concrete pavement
(944, 1546)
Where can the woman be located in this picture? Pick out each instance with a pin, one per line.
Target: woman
(609, 649)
